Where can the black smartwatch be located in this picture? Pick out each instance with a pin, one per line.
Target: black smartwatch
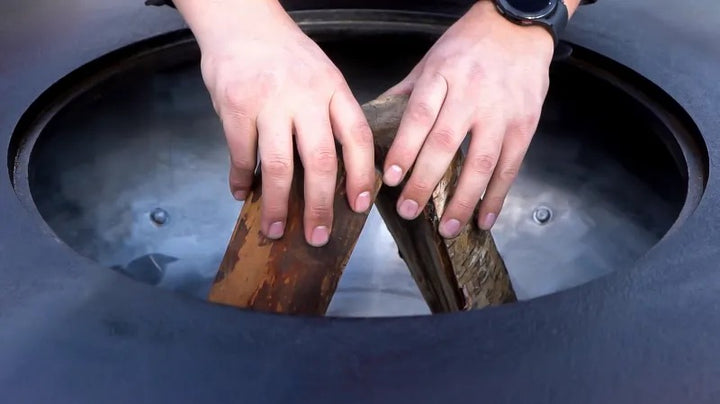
(551, 14)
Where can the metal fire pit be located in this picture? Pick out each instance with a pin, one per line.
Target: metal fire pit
(73, 331)
(130, 171)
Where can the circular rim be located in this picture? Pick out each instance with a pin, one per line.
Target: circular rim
(637, 329)
(682, 142)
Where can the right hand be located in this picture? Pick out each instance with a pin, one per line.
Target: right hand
(268, 81)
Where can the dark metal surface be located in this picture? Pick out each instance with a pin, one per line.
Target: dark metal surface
(71, 332)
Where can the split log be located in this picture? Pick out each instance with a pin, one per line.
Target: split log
(462, 273)
(289, 276)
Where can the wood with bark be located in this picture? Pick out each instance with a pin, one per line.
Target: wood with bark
(290, 276)
(287, 275)
(462, 273)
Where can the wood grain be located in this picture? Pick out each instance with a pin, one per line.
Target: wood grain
(286, 275)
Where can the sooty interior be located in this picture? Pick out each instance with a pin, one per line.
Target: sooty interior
(133, 174)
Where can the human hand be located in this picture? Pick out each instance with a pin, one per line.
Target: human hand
(486, 76)
(268, 81)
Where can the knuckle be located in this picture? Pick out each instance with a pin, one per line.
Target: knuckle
(464, 205)
(444, 139)
(482, 163)
(401, 155)
(234, 100)
(525, 125)
(363, 177)
(319, 211)
(508, 174)
(243, 164)
(324, 161)
(362, 134)
(530, 121)
(274, 210)
(272, 207)
(421, 112)
(240, 183)
(277, 166)
(421, 187)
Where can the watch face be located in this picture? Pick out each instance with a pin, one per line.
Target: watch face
(530, 8)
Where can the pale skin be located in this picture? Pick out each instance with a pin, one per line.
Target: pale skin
(274, 89)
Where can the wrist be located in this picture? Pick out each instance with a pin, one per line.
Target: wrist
(214, 22)
(484, 15)
(550, 15)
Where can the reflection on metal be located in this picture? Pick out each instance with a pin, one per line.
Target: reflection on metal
(150, 268)
(113, 156)
(542, 214)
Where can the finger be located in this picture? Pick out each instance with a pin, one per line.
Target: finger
(241, 134)
(418, 119)
(402, 88)
(353, 132)
(276, 164)
(480, 162)
(317, 152)
(438, 151)
(513, 152)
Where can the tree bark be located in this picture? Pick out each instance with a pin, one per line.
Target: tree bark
(462, 273)
(289, 276)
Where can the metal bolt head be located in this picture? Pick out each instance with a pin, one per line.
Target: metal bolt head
(159, 216)
(542, 214)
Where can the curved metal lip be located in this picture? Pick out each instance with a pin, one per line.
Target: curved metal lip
(532, 16)
(683, 137)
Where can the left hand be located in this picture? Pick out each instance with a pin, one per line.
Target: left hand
(486, 76)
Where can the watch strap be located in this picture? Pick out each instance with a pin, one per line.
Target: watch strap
(557, 21)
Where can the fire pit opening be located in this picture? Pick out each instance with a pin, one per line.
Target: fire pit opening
(127, 165)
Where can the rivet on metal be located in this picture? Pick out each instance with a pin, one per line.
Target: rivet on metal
(542, 214)
(159, 216)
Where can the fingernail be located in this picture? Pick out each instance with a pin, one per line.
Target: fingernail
(362, 202)
(488, 221)
(320, 236)
(450, 228)
(393, 175)
(240, 195)
(408, 209)
(276, 230)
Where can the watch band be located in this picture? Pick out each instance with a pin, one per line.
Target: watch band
(557, 22)
(554, 20)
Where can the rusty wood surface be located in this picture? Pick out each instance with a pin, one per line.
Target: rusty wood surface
(290, 276)
(286, 275)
